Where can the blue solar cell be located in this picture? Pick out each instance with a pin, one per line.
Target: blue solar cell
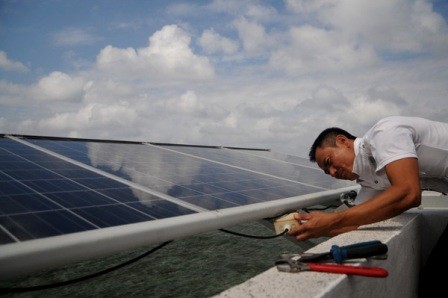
(207, 188)
(210, 202)
(43, 224)
(79, 173)
(98, 182)
(237, 198)
(13, 165)
(178, 191)
(33, 174)
(160, 208)
(42, 195)
(126, 195)
(16, 204)
(62, 221)
(279, 165)
(78, 199)
(181, 176)
(5, 238)
(53, 185)
(10, 187)
(112, 215)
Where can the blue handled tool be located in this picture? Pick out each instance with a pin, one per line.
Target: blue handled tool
(339, 254)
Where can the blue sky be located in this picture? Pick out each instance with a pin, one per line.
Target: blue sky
(269, 74)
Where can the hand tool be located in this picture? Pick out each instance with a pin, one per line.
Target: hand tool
(291, 265)
(339, 254)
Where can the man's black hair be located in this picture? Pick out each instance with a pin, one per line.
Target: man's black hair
(328, 138)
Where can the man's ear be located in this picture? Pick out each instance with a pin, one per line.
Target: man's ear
(342, 140)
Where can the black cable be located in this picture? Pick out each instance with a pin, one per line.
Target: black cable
(82, 278)
(256, 237)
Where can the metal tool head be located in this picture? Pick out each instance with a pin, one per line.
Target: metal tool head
(290, 265)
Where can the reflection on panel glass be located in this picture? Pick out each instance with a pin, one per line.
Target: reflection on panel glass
(279, 165)
(225, 177)
(42, 196)
(282, 157)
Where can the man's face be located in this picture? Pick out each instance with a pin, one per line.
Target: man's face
(337, 161)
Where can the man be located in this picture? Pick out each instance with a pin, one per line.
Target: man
(393, 162)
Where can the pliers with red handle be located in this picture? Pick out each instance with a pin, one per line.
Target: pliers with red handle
(289, 265)
(307, 261)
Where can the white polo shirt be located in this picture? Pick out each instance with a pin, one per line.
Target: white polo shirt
(398, 137)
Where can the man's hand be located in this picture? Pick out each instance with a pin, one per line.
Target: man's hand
(311, 225)
(317, 224)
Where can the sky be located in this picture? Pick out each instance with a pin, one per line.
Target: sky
(257, 74)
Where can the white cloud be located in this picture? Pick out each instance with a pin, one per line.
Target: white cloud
(10, 65)
(260, 12)
(13, 94)
(168, 56)
(232, 7)
(91, 117)
(306, 6)
(377, 109)
(212, 42)
(253, 10)
(396, 26)
(278, 79)
(187, 103)
(252, 35)
(311, 49)
(109, 91)
(58, 86)
(261, 110)
(325, 98)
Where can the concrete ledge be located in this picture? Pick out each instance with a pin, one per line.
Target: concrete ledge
(410, 238)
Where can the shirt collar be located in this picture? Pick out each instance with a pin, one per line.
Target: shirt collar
(357, 163)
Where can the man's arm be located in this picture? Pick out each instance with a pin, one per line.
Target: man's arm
(403, 194)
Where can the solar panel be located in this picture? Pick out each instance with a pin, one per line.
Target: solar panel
(42, 196)
(228, 178)
(296, 169)
(91, 193)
